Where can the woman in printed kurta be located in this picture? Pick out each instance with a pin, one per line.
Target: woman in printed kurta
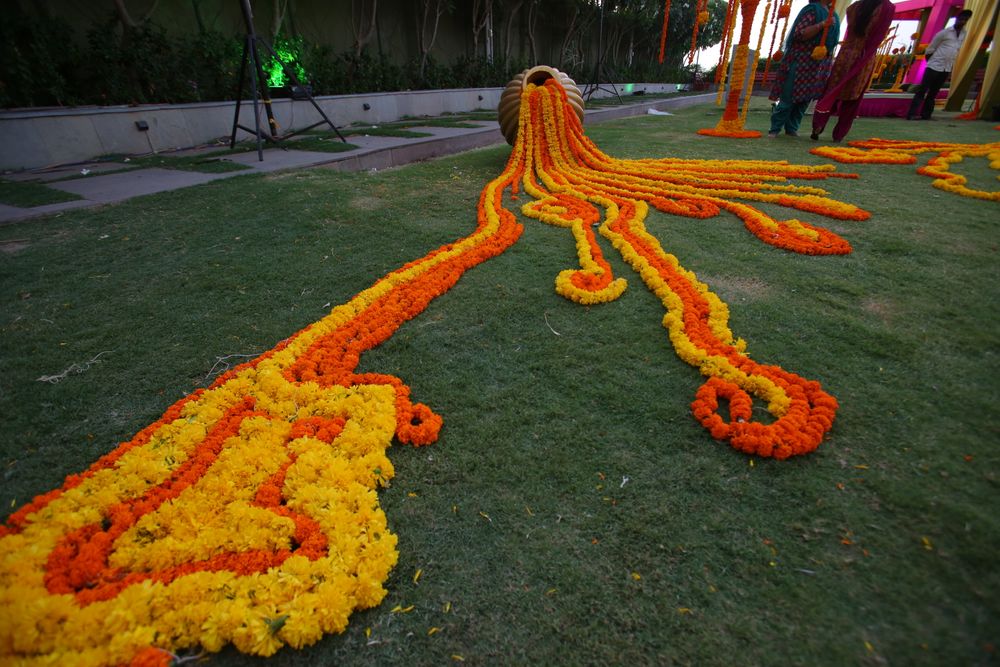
(868, 23)
(801, 78)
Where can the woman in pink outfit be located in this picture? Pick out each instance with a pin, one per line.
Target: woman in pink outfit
(868, 23)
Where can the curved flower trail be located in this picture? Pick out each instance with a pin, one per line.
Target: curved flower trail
(569, 176)
(897, 151)
(248, 513)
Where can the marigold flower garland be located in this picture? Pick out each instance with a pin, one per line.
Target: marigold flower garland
(248, 513)
(701, 16)
(893, 151)
(782, 9)
(727, 38)
(820, 52)
(663, 31)
(569, 177)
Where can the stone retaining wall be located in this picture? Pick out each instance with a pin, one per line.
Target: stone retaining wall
(37, 138)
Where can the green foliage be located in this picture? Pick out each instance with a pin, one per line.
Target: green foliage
(39, 61)
(44, 65)
(132, 66)
(286, 58)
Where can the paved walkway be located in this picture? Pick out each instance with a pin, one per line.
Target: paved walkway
(96, 187)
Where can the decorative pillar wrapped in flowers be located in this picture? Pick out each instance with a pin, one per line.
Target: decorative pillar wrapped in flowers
(731, 124)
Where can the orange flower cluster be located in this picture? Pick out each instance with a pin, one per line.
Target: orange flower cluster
(896, 151)
(570, 178)
(78, 565)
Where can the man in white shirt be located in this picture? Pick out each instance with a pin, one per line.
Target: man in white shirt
(941, 54)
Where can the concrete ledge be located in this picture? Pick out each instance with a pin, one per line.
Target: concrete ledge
(38, 138)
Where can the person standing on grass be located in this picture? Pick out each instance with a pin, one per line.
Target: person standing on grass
(941, 54)
(801, 76)
(868, 23)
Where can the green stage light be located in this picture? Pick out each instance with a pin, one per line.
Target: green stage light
(287, 53)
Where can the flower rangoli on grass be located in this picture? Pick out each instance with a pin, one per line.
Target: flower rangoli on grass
(248, 513)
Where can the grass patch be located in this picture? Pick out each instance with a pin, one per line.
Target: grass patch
(569, 462)
(29, 195)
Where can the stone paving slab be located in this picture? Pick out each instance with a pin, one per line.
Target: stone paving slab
(281, 158)
(67, 171)
(122, 186)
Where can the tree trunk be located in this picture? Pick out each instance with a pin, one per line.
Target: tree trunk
(509, 27)
(423, 41)
(532, 20)
(278, 18)
(363, 22)
(568, 37)
(480, 17)
(195, 5)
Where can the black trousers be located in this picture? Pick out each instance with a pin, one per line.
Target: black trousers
(923, 100)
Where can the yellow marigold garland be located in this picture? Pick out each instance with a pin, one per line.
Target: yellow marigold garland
(894, 151)
(248, 513)
(727, 39)
(753, 68)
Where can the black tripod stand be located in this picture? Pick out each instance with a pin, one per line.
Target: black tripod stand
(595, 80)
(259, 91)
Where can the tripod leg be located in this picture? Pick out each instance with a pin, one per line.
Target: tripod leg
(255, 66)
(290, 73)
(265, 95)
(239, 95)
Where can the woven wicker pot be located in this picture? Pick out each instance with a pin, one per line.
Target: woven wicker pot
(510, 100)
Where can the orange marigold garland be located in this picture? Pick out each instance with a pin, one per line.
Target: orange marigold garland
(783, 11)
(663, 31)
(701, 17)
(893, 151)
(248, 513)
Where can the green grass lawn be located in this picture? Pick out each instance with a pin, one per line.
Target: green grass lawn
(28, 195)
(573, 511)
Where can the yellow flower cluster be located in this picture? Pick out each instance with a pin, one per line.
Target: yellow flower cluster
(893, 151)
(175, 604)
